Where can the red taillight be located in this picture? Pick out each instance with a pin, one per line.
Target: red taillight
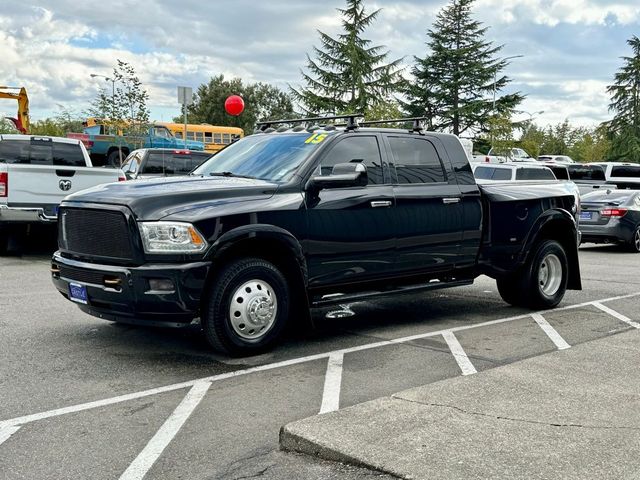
(122, 178)
(487, 160)
(4, 184)
(181, 152)
(613, 212)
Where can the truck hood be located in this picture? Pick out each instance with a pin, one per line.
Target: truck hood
(154, 199)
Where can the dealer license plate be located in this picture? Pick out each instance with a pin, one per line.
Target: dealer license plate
(78, 293)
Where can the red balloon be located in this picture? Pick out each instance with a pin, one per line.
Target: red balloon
(234, 105)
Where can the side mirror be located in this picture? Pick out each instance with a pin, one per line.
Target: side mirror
(343, 175)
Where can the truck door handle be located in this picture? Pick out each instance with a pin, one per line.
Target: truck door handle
(451, 200)
(381, 203)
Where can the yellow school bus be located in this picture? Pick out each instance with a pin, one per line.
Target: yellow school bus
(214, 137)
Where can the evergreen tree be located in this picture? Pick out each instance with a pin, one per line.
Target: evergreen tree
(625, 102)
(455, 82)
(348, 75)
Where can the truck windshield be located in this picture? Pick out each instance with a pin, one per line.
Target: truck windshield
(273, 157)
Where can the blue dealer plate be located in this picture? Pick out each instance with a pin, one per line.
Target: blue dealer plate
(78, 293)
(586, 215)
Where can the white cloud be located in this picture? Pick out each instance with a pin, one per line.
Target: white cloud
(571, 47)
(553, 12)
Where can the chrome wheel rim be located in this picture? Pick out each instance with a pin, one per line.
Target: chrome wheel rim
(636, 240)
(550, 275)
(253, 309)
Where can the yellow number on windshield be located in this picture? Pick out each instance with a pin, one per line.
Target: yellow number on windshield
(316, 138)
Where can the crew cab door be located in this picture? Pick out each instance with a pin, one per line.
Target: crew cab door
(351, 235)
(428, 213)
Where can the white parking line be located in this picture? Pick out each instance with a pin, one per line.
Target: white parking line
(551, 332)
(6, 432)
(613, 313)
(459, 354)
(147, 457)
(294, 361)
(332, 384)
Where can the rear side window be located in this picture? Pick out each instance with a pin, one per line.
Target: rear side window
(68, 154)
(586, 172)
(534, 174)
(416, 161)
(490, 173)
(627, 171)
(560, 173)
(41, 152)
(172, 164)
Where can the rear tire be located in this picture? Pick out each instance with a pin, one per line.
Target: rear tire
(542, 282)
(246, 307)
(509, 289)
(113, 159)
(4, 243)
(634, 244)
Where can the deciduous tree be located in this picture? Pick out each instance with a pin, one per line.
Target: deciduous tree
(262, 102)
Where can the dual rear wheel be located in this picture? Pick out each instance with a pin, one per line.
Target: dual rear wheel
(542, 282)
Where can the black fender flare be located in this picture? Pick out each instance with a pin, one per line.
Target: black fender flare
(569, 240)
(260, 231)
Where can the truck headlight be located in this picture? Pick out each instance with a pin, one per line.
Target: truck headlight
(171, 237)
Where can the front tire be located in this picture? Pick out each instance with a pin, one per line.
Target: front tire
(246, 307)
(542, 281)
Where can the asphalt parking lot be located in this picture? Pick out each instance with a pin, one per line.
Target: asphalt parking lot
(84, 398)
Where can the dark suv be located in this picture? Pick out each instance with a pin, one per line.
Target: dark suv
(292, 218)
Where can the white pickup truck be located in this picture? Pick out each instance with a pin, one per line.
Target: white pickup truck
(36, 173)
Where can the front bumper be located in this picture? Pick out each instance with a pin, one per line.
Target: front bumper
(27, 214)
(124, 294)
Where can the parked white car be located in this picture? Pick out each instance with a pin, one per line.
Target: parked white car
(36, 173)
(511, 172)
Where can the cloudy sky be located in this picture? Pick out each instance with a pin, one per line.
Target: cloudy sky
(570, 48)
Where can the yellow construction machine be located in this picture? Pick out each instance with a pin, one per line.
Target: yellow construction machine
(20, 94)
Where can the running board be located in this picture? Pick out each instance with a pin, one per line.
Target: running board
(337, 298)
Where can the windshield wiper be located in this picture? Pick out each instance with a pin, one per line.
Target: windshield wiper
(230, 174)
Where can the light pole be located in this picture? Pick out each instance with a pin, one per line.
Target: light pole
(495, 73)
(113, 92)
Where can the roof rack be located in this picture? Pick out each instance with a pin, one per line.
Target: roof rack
(350, 125)
(417, 126)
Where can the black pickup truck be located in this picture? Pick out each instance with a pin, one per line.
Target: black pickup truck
(293, 218)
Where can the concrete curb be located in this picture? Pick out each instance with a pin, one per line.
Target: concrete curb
(566, 414)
